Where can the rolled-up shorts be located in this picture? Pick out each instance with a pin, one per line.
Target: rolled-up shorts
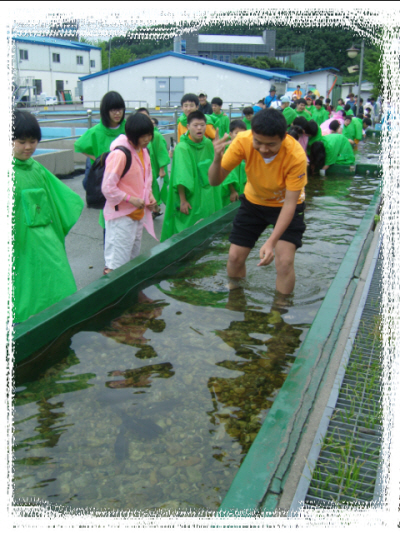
(251, 221)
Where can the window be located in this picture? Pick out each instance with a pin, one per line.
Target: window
(56, 58)
(23, 54)
(79, 60)
(227, 59)
(38, 85)
(92, 63)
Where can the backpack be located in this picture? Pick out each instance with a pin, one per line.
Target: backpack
(94, 196)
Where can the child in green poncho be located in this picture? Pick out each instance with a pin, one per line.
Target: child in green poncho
(301, 110)
(44, 211)
(190, 196)
(190, 103)
(248, 113)
(320, 114)
(352, 130)
(233, 186)
(334, 149)
(221, 121)
(97, 140)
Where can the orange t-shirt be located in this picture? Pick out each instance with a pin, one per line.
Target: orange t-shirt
(138, 214)
(210, 131)
(268, 182)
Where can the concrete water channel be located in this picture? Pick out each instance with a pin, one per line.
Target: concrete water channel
(83, 380)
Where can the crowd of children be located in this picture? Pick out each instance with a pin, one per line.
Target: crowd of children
(198, 186)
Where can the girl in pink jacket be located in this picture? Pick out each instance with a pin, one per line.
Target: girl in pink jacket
(129, 200)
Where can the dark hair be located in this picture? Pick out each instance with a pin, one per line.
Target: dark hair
(317, 155)
(334, 125)
(237, 124)
(311, 128)
(327, 100)
(111, 100)
(340, 100)
(348, 117)
(261, 101)
(138, 125)
(295, 132)
(25, 126)
(347, 107)
(350, 94)
(196, 115)
(318, 102)
(154, 120)
(361, 101)
(269, 122)
(190, 97)
(217, 101)
(301, 101)
(248, 110)
(367, 121)
(300, 121)
(141, 109)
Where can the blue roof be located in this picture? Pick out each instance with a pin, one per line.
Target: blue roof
(317, 70)
(52, 41)
(263, 74)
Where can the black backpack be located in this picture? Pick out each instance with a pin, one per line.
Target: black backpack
(94, 196)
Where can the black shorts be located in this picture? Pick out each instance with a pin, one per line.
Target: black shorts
(252, 219)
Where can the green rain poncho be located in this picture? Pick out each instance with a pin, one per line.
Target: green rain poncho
(290, 114)
(190, 166)
(237, 177)
(353, 130)
(338, 150)
(159, 158)
(304, 114)
(247, 122)
(221, 122)
(312, 140)
(95, 141)
(44, 211)
(320, 115)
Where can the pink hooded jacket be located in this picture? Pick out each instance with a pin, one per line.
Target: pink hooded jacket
(114, 188)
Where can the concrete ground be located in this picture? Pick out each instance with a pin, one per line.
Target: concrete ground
(84, 243)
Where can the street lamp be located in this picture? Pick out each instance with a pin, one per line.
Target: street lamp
(352, 53)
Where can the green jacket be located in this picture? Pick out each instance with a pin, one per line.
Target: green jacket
(44, 211)
(190, 165)
(338, 150)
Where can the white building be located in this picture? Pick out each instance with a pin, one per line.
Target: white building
(322, 79)
(163, 79)
(52, 66)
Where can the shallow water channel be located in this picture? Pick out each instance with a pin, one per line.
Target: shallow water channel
(154, 405)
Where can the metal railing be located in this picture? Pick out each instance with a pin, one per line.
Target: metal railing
(154, 113)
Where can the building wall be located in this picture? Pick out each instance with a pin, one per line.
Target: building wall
(322, 80)
(138, 83)
(40, 65)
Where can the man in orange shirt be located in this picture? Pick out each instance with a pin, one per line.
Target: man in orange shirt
(276, 169)
(298, 92)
